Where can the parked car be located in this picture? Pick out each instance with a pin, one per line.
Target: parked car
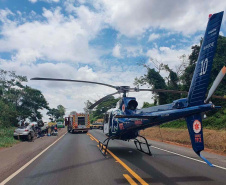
(97, 126)
(25, 132)
(60, 124)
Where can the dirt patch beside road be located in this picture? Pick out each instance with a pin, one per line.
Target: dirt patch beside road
(214, 140)
(11, 159)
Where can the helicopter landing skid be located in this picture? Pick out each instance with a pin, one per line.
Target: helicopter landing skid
(139, 147)
(103, 147)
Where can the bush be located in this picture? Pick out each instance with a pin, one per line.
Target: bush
(6, 137)
(181, 123)
(214, 122)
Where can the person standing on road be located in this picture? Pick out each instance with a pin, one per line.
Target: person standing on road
(52, 128)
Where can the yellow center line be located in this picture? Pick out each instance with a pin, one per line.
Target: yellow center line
(129, 179)
(134, 174)
(91, 137)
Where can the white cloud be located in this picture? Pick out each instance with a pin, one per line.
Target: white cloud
(59, 38)
(168, 55)
(116, 51)
(133, 51)
(48, 1)
(63, 42)
(73, 95)
(153, 36)
(4, 15)
(133, 18)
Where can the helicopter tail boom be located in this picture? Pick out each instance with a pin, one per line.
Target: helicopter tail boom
(200, 80)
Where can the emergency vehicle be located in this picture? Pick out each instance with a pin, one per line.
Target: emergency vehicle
(98, 124)
(77, 122)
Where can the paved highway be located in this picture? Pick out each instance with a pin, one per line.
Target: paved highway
(76, 159)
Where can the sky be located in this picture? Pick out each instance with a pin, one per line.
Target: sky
(97, 40)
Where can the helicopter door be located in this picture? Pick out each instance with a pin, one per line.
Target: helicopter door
(106, 123)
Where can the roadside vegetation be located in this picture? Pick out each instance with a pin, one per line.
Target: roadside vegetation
(19, 102)
(6, 137)
(214, 122)
(101, 109)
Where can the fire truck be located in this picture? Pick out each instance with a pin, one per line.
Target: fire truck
(77, 122)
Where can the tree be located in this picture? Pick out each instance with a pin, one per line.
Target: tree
(11, 86)
(87, 105)
(53, 113)
(146, 105)
(187, 75)
(154, 79)
(23, 101)
(56, 114)
(8, 114)
(31, 102)
(61, 110)
(102, 108)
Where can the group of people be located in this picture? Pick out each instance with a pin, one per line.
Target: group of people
(49, 131)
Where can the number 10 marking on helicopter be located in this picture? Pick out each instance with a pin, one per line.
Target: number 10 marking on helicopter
(204, 65)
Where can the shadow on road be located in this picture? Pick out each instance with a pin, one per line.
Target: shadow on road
(46, 173)
(136, 158)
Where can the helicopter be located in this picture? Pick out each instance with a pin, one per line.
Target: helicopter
(125, 121)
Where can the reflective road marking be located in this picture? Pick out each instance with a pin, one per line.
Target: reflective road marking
(28, 163)
(136, 176)
(129, 179)
(187, 157)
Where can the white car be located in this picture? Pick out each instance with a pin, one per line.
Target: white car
(25, 132)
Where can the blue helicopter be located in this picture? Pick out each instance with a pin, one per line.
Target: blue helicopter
(125, 121)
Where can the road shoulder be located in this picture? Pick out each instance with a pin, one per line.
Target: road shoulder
(11, 159)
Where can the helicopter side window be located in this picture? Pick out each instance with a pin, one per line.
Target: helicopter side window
(132, 105)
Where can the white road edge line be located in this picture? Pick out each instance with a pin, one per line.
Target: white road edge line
(187, 157)
(28, 163)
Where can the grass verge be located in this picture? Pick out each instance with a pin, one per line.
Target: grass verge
(6, 137)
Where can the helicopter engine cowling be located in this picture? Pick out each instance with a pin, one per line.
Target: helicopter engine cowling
(180, 104)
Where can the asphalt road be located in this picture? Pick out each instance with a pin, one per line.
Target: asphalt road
(76, 159)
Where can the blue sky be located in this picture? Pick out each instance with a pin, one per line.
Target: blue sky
(98, 40)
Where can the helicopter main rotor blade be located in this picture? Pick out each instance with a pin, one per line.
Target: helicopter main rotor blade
(102, 99)
(163, 90)
(216, 83)
(178, 92)
(69, 80)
